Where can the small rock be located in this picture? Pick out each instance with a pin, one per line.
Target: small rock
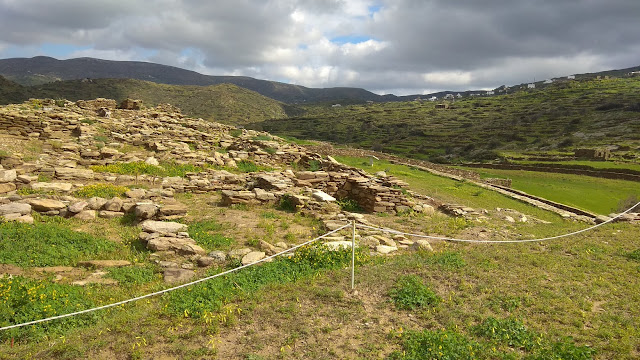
(218, 256)
(110, 214)
(145, 211)
(422, 245)
(205, 261)
(238, 253)
(115, 204)
(7, 176)
(85, 215)
(252, 257)
(7, 187)
(152, 161)
(96, 203)
(78, 207)
(173, 275)
(322, 196)
(136, 193)
(384, 249)
(509, 219)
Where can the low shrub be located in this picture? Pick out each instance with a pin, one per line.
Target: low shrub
(439, 344)
(411, 293)
(350, 205)
(511, 332)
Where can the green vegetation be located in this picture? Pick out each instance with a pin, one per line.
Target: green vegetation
(563, 115)
(411, 293)
(225, 103)
(439, 344)
(350, 205)
(48, 244)
(25, 300)
(140, 168)
(589, 193)
(247, 166)
(101, 190)
(132, 275)
(203, 300)
(207, 234)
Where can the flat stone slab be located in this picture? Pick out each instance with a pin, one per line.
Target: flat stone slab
(167, 227)
(323, 196)
(385, 249)
(104, 263)
(46, 204)
(15, 208)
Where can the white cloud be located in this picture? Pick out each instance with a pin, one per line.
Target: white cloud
(410, 46)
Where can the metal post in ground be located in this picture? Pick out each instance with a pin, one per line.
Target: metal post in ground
(353, 255)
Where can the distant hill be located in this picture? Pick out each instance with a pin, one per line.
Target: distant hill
(11, 92)
(225, 103)
(562, 116)
(41, 69)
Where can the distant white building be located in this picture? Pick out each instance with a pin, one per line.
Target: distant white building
(490, 92)
(571, 77)
(458, 95)
(548, 81)
(336, 105)
(531, 86)
(433, 98)
(448, 96)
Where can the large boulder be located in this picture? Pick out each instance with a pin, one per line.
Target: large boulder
(173, 275)
(115, 204)
(252, 257)
(145, 210)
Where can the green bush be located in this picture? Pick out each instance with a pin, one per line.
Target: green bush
(411, 293)
(564, 349)
(508, 331)
(634, 255)
(439, 344)
(26, 300)
(350, 205)
(101, 190)
(286, 204)
(48, 245)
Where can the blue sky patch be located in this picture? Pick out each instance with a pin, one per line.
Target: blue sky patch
(350, 39)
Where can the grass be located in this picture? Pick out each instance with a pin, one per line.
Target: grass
(48, 244)
(203, 300)
(207, 233)
(140, 168)
(562, 116)
(609, 165)
(589, 193)
(101, 190)
(411, 293)
(26, 299)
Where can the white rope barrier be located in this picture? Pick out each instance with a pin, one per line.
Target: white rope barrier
(391, 231)
(173, 288)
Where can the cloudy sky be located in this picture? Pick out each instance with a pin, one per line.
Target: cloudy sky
(386, 46)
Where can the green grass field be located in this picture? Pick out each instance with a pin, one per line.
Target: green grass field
(592, 164)
(589, 193)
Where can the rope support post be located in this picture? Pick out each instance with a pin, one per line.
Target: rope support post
(353, 254)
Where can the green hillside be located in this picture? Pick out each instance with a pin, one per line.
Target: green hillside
(11, 92)
(564, 115)
(223, 103)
